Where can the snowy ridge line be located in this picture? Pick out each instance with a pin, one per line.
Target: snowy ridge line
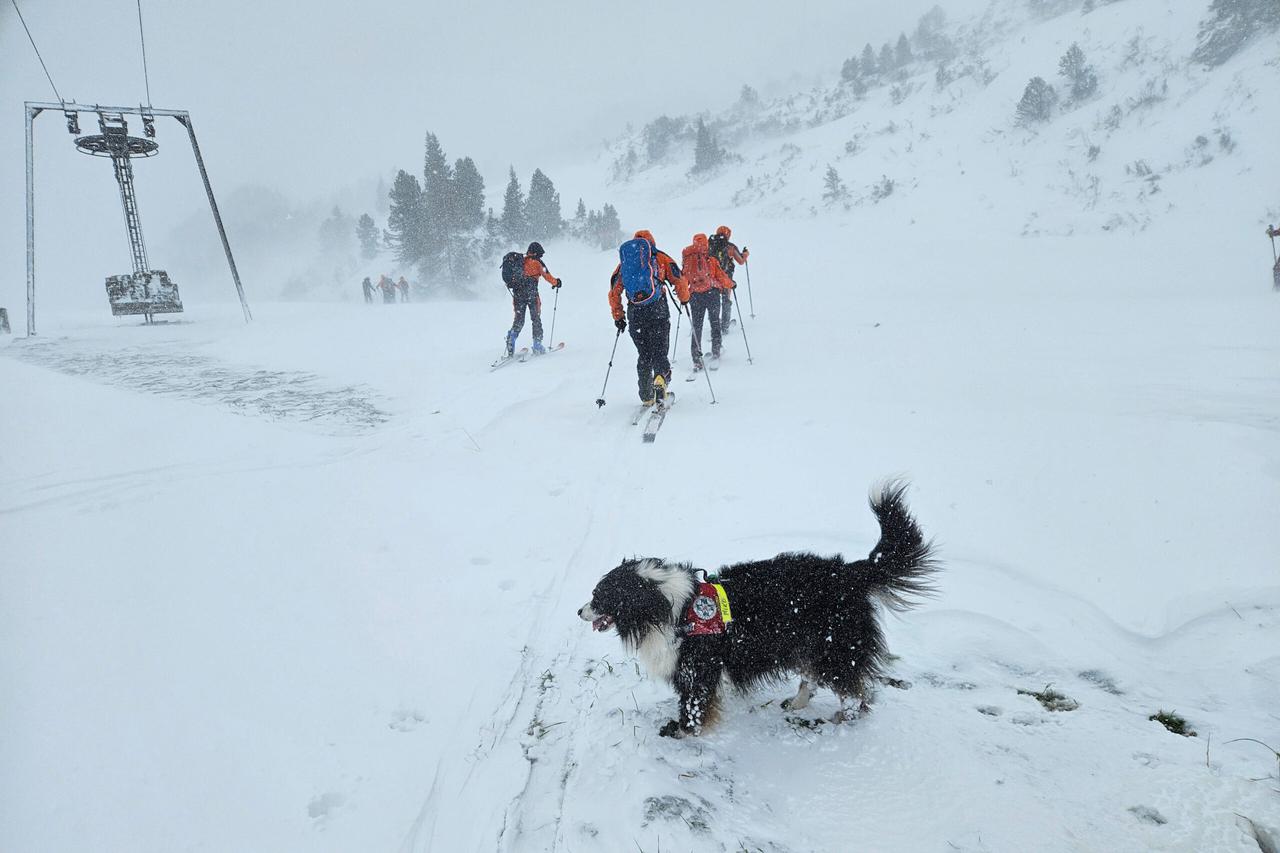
(273, 395)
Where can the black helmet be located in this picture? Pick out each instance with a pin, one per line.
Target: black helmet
(535, 250)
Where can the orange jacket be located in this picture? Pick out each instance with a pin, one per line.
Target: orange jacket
(668, 272)
(534, 269)
(701, 271)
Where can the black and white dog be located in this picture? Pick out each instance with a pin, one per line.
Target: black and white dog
(757, 622)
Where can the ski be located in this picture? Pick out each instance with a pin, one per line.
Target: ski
(550, 350)
(503, 361)
(639, 413)
(655, 420)
(715, 362)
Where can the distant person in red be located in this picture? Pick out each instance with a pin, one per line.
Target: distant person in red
(404, 289)
(524, 296)
(707, 281)
(726, 254)
(388, 288)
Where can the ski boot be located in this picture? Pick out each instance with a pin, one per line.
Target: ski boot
(511, 343)
(660, 390)
(538, 348)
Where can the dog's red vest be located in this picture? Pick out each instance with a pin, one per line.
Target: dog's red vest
(709, 612)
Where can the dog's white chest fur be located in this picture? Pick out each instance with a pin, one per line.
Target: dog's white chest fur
(658, 652)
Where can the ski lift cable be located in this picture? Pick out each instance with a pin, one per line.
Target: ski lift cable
(143, 36)
(37, 50)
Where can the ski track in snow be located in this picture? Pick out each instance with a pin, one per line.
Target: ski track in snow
(274, 395)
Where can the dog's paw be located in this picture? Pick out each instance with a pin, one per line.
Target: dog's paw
(670, 729)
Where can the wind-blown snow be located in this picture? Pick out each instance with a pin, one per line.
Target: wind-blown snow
(310, 583)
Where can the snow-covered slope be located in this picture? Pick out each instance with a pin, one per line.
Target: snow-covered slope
(310, 583)
(1163, 142)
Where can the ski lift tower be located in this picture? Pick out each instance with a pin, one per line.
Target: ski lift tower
(145, 291)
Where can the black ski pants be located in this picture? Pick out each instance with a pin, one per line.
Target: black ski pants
(726, 310)
(650, 327)
(707, 304)
(524, 296)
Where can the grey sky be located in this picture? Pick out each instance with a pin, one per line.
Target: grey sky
(309, 97)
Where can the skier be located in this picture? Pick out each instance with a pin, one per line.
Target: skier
(388, 288)
(368, 290)
(524, 294)
(707, 280)
(642, 275)
(404, 289)
(727, 255)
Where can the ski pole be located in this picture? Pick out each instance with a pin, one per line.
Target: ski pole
(675, 344)
(751, 302)
(743, 324)
(554, 305)
(707, 374)
(600, 400)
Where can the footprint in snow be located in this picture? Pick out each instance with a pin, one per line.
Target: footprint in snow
(323, 806)
(406, 721)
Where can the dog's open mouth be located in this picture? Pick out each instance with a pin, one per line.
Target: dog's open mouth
(602, 623)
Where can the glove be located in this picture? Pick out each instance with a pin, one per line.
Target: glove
(745, 252)
(685, 303)
(557, 284)
(621, 323)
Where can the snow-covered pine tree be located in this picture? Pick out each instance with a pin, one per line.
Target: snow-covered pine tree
(514, 226)
(578, 225)
(337, 232)
(870, 67)
(1230, 25)
(404, 219)
(659, 134)
(851, 70)
(367, 234)
(437, 209)
(902, 52)
(1078, 72)
(610, 227)
(1037, 103)
(834, 187)
(887, 62)
(707, 154)
(542, 208)
(468, 195)
(748, 97)
(930, 40)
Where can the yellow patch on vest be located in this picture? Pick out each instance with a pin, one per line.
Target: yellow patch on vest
(726, 615)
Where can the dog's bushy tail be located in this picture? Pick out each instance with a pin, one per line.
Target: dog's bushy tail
(902, 563)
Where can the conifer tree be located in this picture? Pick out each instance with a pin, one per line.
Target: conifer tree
(367, 234)
(468, 195)
(1078, 72)
(870, 67)
(437, 206)
(851, 70)
(1230, 25)
(706, 153)
(929, 39)
(834, 187)
(542, 208)
(514, 226)
(1037, 103)
(887, 61)
(337, 232)
(404, 219)
(610, 227)
(902, 52)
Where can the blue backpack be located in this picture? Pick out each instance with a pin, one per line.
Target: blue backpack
(638, 269)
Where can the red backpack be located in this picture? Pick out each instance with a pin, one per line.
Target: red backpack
(696, 268)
